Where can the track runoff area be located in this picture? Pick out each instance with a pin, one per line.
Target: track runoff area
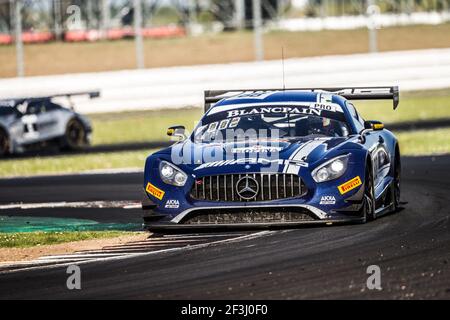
(404, 255)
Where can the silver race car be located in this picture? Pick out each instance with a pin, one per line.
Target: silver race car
(36, 122)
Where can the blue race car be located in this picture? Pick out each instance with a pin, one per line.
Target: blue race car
(271, 158)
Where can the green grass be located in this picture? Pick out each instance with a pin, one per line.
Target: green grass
(424, 142)
(32, 239)
(414, 106)
(70, 164)
(140, 126)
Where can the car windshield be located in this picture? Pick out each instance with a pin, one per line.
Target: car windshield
(273, 125)
(6, 111)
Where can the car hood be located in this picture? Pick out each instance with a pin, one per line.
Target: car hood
(8, 119)
(254, 155)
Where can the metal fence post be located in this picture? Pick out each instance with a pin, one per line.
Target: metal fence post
(138, 34)
(239, 14)
(19, 41)
(90, 14)
(105, 17)
(257, 30)
(191, 16)
(57, 19)
(372, 11)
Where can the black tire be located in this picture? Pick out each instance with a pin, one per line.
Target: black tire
(397, 172)
(368, 208)
(4, 143)
(75, 137)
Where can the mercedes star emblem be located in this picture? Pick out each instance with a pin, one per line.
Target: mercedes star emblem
(247, 188)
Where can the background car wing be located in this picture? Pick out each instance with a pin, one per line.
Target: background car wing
(14, 102)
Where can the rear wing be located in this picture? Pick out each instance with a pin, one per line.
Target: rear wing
(13, 102)
(350, 93)
(90, 94)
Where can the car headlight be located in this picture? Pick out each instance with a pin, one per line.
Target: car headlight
(331, 169)
(170, 174)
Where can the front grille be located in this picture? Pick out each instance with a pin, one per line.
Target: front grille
(272, 186)
(248, 215)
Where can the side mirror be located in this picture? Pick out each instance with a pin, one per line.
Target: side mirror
(370, 125)
(373, 125)
(177, 131)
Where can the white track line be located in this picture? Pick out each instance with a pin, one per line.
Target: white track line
(201, 236)
(77, 204)
(153, 241)
(76, 256)
(41, 264)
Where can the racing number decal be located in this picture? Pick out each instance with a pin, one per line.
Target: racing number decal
(154, 191)
(350, 185)
(30, 126)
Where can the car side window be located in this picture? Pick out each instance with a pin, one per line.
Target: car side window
(50, 106)
(359, 122)
(35, 108)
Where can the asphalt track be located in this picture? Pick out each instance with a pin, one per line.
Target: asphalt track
(74, 188)
(412, 248)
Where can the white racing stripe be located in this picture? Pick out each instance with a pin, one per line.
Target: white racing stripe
(79, 204)
(303, 151)
(294, 154)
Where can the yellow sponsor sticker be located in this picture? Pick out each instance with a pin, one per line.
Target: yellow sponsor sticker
(378, 126)
(350, 185)
(154, 191)
(170, 132)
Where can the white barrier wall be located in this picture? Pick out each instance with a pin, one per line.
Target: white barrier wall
(183, 86)
(384, 20)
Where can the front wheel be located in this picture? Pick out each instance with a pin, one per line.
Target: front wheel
(368, 209)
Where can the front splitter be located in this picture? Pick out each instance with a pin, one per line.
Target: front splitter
(174, 227)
